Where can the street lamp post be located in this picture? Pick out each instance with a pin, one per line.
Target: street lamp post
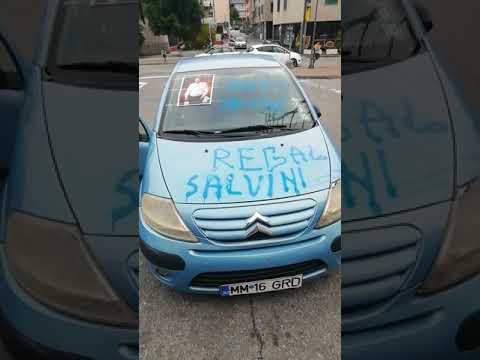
(303, 26)
(312, 58)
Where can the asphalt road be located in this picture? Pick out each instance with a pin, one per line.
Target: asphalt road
(302, 325)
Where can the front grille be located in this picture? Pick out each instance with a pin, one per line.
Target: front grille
(277, 221)
(375, 265)
(214, 280)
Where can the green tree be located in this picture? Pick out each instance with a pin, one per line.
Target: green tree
(179, 19)
(234, 15)
(141, 38)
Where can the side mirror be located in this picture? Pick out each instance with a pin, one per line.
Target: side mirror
(317, 111)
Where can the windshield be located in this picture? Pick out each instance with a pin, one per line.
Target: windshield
(244, 102)
(376, 35)
(91, 37)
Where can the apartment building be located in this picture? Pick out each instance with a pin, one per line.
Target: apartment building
(262, 18)
(207, 11)
(287, 20)
(248, 10)
(241, 6)
(221, 11)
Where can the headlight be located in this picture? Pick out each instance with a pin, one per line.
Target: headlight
(50, 260)
(459, 257)
(160, 214)
(333, 208)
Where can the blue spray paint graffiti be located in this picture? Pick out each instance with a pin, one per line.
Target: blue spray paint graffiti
(378, 126)
(254, 172)
(254, 95)
(128, 187)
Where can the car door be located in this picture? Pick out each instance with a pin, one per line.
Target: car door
(143, 141)
(11, 101)
(266, 50)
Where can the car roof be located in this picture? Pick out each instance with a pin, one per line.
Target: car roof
(267, 44)
(226, 61)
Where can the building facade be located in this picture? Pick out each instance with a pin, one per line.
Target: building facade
(241, 6)
(262, 18)
(221, 11)
(287, 22)
(208, 17)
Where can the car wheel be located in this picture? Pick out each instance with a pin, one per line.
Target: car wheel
(294, 62)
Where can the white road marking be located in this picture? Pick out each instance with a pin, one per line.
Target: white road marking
(141, 84)
(321, 86)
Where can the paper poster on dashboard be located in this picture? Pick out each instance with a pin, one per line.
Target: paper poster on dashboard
(196, 90)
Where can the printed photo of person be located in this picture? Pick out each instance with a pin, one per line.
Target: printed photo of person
(196, 90)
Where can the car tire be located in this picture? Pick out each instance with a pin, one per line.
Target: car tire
(294, 62)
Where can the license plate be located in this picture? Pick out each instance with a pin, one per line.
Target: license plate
(261, 286)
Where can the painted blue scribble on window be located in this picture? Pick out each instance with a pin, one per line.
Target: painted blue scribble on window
(254, 95)
(265, 171)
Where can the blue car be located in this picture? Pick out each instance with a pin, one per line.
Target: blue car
(410, 249)
(68, 214)
(241, 185)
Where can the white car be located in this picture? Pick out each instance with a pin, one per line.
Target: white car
(240, 43)
(280, 53)
(218, 50)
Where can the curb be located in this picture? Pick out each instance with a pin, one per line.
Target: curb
(157, 63)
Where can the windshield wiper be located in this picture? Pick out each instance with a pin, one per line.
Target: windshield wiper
(110, 66)
(256, 128)
(190, 132)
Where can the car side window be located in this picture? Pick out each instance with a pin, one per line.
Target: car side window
(267, 49)
(142, 133)
(278, 49)
(10, 75)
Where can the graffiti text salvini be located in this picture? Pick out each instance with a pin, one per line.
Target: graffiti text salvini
(254, 172)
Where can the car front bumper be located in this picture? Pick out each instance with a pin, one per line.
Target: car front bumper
(419, 327)
(177, 263)
(407, 325)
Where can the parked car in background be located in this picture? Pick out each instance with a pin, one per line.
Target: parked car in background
(274, 42)
(280, 53)
(218, 50)
(240, 42)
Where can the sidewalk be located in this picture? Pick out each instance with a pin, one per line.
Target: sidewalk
(319, 72)
(324, 69)
(171, 58)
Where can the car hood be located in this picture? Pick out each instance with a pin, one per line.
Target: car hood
(97, 167)
(247, 170)
(400, 145)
